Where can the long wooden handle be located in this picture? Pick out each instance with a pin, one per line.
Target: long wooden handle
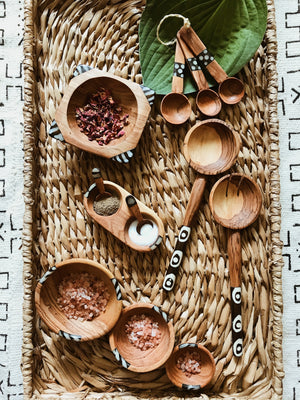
(193, 65)
(179, 67)
(98, 180)
(235, 263)
(198, 47)
(184, 233)
(134, 208)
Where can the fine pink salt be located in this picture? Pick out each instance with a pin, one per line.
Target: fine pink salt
(143, 332)
(82, 296)
(189, 363)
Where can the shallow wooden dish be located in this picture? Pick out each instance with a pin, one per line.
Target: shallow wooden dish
(211, 146)
(195, 381)
(119, 222)
(46, 294)
(129, 96)
(132, 357)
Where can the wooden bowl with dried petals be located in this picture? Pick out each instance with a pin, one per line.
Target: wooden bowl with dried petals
(78, 299)
(191, 366)
(128, 96)
(143, 339)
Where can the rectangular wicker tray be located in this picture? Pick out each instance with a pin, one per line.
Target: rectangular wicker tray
(60, 34)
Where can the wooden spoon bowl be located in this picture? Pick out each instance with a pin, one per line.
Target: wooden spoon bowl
(46, 295)
(211, 146)
(231, 90)
(132, 357)
(128, 95)
(180, 356)
(176, 108)
(235, 201)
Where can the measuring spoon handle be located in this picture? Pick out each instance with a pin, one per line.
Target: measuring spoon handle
(193, 65)
(98, 180)
(184, 233)
(235, 263)
(178, 73)
(191, 38)
(134, 208)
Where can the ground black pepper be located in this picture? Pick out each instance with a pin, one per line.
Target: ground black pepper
(107, 205)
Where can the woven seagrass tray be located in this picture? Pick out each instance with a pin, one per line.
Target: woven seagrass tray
(59, 35)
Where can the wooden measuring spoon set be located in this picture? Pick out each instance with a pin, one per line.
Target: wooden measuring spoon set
(211, 147)
(190, 50)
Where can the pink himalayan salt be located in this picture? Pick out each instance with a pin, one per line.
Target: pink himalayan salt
(189, 363)
(82, 296)
(143, 332)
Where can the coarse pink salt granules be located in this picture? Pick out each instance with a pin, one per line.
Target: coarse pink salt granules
(143, 332)
(82, 296)
(189, 363)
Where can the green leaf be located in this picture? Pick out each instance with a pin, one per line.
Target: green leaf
(231, 30)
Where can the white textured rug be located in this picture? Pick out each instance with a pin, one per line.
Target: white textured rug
(11, 186)
(288, 66)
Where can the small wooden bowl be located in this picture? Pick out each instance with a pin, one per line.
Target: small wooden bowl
(119, 222)
(134, 358)
(195, 381)
(211, 146)
(46, 294)
(129, 96)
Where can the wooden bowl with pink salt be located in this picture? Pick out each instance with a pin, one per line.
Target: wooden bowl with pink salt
(143, 338)
(191, 366)
(78, 299)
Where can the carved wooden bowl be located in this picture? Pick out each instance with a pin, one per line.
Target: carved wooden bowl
(180, 356)
(46, 296)
(130, 98)
(211, 146)
(133, 357)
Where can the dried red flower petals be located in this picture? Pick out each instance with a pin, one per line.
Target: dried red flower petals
(143, 332)
(101, 119)
(82, 296)
(189, 363)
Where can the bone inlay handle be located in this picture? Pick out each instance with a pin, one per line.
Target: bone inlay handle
(198, 47)
(193, 65)
(179, 67)
(235, 262)
(184, 233)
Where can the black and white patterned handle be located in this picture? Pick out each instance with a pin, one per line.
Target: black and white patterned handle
(176, 258)
(236, 318)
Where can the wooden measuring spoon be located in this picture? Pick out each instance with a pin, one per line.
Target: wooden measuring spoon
(210, 147)
(100, 185)
(235, 202)
(231, 89)
(136, 212)
(175, 106)
(207, 100)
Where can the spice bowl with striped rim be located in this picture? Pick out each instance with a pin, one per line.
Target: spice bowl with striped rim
(191, 366)
(78, 299)
(128, 96)
(143, 338)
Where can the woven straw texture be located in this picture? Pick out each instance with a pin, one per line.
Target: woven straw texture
(60, 34)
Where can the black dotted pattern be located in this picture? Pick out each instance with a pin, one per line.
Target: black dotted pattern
(205, 58)
(179, 70)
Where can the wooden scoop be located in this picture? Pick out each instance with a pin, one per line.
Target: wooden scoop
(207, 100)
(231, 89)
(100, 185)
(134, 208)
(175, 106)
(210, 147)
(235, 202)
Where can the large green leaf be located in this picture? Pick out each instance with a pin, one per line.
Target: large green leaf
(232, 30)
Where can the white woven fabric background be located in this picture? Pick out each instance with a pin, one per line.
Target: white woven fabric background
(11, 186)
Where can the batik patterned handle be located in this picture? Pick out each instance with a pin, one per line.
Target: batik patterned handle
(176, 258)
(236, 316)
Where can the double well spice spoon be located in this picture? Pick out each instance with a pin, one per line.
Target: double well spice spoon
(235, 202)
(136, 212)
(175, 106)
(231, 89)
(207, 100)
(210, 147)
